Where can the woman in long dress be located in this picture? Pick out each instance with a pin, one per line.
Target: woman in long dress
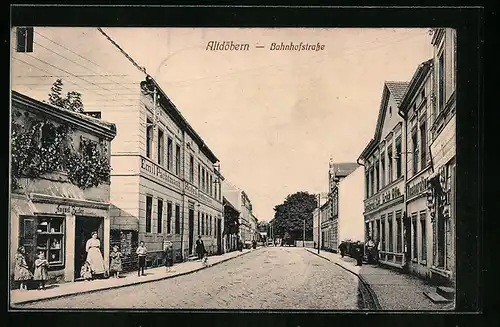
(94, 256)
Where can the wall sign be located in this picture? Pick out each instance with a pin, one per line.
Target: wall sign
(188, 188)
(380, 199)
(74, 210)
(159, 172)
(418, 187)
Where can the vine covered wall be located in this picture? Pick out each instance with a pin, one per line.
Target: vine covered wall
(40, 146)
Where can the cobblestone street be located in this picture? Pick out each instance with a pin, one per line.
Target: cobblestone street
(271, 278)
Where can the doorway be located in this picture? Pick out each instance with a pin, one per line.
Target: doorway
(191, 230)
(219, 236)
(83, 232)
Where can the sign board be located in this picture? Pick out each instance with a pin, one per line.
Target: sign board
(382, 198)
(160, 173)
(73, 210)
(416, 187)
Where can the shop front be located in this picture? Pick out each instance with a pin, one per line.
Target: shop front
(384, 223)
(59, 228)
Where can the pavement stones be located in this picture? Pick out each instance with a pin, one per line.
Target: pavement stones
(151, 275)
(394, 290)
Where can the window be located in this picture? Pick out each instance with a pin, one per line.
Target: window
(149, 209)
(199, 175)
(382, 172)
(398, 157)
(423, 143)
(367, 185)
(48, 237)
(191, 168)
(211, 186)
(389, 165)
(415, 236)
(199, 226)
(177, 160)
(382, 230)
(160, 216)
(377, 176)
(169, 153)
(423, 231)
(202, 224)
(391, 232)
(372, 181)
(441, 83)
(422, 94)
(414, 142)
(169, 217)
(210, 230)
(160, 148)
(149, 137)
(203, 179)
(24, 36)
(206, 180)
(399, 234)
(177, 219)
(206, 224)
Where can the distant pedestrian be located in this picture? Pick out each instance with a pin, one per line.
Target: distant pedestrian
(21, 269)
(41, 275)
(370, 250)
(200, 248)
(359, 253)
(342, 248)
(115, 267)
(141, 256)
(169, 257)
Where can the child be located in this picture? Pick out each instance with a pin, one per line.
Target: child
(41, 265)
(205, 259)
(141, 255)
(116, 262)
(169, 257)
(86, 272)
(21, 271)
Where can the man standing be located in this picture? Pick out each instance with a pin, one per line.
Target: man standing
(141, 255)
(200, 248)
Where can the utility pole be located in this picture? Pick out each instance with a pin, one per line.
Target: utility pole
(319, 221)
(304, 234)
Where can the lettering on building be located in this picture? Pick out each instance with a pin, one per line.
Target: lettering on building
(73, 210)
(380, 199)
(159, 172)
(417, 188)
(188, 188)
(203, 198)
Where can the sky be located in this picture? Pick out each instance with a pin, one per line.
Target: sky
(275, 118)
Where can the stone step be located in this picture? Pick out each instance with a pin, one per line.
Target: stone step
(436, 298)
(446, 292)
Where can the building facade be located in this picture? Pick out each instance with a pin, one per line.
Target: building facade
(165, 179)
(316, 232)
(240, 200)
(417, 110)
(384, 178)
(54, 212)
(349, 209)
(441, 183)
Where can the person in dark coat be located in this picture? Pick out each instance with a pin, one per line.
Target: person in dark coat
(359, 254)
(200, 248)
(342, 248)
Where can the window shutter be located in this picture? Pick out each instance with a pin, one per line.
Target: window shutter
(28, 238)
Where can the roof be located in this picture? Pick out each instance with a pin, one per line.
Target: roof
(397, 89)
(416, 81)
(227, 203)
(88, 123)
(344, 168)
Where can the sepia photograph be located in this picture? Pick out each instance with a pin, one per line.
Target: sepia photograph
(233, 168)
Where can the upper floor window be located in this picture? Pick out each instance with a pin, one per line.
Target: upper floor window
(161, 146)
(191, 168)
(203, 178)
(423, 142)
(149, 137)
(377, 176)
(389, 165)
(441, 99)
(169, 153)
(414, 142)
(382, 170)
(398, 157)
(372, 181)
(211, 185)
(367, 185)
(177, 160)
(199, 175)
(24, 39)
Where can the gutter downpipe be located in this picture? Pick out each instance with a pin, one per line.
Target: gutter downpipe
(405, 216)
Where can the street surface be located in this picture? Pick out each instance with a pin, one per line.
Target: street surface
(270, 278)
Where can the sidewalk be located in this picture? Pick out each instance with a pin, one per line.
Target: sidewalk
(394, 290)
(128, 279)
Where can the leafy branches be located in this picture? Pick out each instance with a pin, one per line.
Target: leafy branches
(289, 216)
(72, 101)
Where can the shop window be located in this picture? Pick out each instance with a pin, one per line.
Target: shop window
(199, 224)
(206, 224)
(391, 232)
(423, 231)
(149, 212)
(43, 235)
(415, 236)
(169, 217)
(160, 216)
(210, 230)
(177, 219)
(399, 234)
(24, 38)
(202, 224)
(382, 230)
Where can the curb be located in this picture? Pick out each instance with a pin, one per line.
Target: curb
(125, 285)
(372, 293)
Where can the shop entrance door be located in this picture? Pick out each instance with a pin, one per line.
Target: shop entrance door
(219, 236)
(83, 232)
(191, 230)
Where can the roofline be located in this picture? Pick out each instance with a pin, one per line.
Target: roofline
(224, 199)
(421, 73)
(184, 123)
(368, 147)
(55, 113)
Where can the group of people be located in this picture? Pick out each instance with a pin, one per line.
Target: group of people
(22, 273)
(357, 251)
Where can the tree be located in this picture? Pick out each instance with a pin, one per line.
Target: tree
(290, 215)
(72, 101)
(262, 226)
